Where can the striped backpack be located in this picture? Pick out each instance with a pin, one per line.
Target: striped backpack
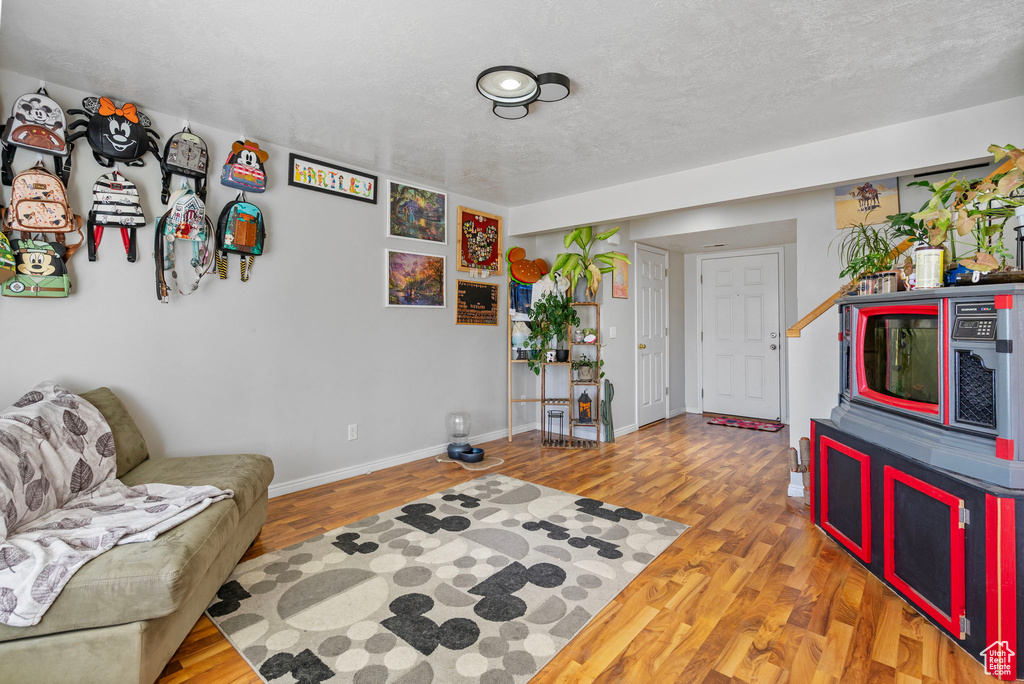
(240, 229)
(115, 204)
(185, 220)
(37, 123)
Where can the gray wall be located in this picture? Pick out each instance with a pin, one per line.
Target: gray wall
(279, 365)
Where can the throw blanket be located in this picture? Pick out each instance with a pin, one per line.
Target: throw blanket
(61, 504)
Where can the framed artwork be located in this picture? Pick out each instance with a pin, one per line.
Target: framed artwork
(415, 279)
(417, 213)
(869, 202)
(476, 303)
(479, 241)
(620, 280)
(321, 176)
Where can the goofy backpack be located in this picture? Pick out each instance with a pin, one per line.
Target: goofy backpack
(185, 154)
(185, 220)
(244, 168)
(115, 204)
(37, 123)
(239, 229)
(41, 270)
(116, 133)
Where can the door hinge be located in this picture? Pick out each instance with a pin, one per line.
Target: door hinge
(965, 627)
(666, 332)
(666, 390)
(965, 516)
(701, 335)
(702, 394)
(702, 278)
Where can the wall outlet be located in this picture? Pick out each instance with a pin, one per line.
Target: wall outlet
(612, 332)
(353, 431)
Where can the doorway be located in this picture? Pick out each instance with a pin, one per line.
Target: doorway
(741, 334)
(651, 266)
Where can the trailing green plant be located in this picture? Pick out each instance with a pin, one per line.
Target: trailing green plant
(865, 248)
(574, 266)
(550, 317)
(586, 362)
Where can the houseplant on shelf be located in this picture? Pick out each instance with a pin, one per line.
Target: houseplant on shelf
(587, 368)
(865, 249)
(550, 317)
(594, 266)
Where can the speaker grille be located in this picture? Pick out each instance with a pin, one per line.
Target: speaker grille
(975, 391)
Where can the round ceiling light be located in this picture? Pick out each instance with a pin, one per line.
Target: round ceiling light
(511, 112)
(508, 86)
(553, 87)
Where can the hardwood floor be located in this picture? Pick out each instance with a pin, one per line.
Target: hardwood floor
(752, 593)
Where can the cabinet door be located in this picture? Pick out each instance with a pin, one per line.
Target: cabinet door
(924, 547)
(846, 496)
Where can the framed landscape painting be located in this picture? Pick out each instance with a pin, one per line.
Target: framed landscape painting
(414, 279)
(620, 280)
(417, 213)
(868, 203)
(479, 242)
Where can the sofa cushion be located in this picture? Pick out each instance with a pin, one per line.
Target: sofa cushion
(139, 581)
(247, 475)
(129, 443)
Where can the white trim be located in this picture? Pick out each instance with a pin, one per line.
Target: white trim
(677, 412)
(795, 490)
(280, 488)
(779, 251)
(636, 335)
(693, 409)
(619, 432)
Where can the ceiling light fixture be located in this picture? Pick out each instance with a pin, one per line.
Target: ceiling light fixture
(512, 89)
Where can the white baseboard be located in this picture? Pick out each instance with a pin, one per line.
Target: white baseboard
(795, 490)
(693, 409)
(309, 481)
(619, 432)
(677, 412)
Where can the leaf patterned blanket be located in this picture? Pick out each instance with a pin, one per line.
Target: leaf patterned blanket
(61, 504)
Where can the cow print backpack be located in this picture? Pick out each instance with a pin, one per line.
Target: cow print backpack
(37, 123)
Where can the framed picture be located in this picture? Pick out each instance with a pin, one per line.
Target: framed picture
(869, 202)
(479, 242)
(620, 280)
(417, 213)
(415, 279)
(476, 303)
(334, 180)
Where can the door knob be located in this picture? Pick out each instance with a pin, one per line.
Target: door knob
(641, 346)
(774, 346)
(774, 335)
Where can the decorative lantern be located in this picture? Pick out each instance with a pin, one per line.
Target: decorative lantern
(458, 428)
(585, 405)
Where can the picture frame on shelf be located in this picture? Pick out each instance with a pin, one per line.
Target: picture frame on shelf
(477, 303)
(414, 279)
(416, 213)
(478, 242)
(313, 174)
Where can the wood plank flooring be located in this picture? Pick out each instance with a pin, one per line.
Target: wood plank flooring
(752, 593)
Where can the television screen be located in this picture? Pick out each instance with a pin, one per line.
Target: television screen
(901, 356)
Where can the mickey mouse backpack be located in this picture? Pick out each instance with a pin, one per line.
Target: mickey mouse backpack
(185, 154)
(37, 123)
(115, 204)
(41, 270)
(6, 259)
(240, 230)
(185, 220)
(244, 168)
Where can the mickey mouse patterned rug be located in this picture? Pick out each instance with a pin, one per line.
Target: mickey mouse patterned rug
(484, 582)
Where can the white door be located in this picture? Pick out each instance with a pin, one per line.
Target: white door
(740, 335)
(651, 331)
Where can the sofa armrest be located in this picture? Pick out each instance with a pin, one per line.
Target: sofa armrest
(128, 440)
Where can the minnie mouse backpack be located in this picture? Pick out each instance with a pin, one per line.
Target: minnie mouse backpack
(240, 230)
(244, 168)
(37, 123)
(185, 220)
(185, 154)
(115, 204)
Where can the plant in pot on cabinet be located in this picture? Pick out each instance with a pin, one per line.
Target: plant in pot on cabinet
(867, 250)
(550, 317)
(587, 369)
(574, 266)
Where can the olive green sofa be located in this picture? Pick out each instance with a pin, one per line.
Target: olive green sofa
(124, 614)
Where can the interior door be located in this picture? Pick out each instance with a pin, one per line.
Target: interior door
(651, 334)
(740, 336)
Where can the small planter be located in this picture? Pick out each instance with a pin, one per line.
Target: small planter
(561, 355)
(585, 374)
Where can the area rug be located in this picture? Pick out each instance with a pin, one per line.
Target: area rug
(746, 424)
(488, 462)
(484, 582)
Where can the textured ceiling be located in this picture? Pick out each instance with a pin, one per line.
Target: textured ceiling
(657, 86)
(766, 234)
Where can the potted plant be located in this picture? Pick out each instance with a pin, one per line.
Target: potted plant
(550, 317)
(866, 249)
(573, 266)
(586, 368)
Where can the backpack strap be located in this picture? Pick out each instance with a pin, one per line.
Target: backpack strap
(158, 252)
(165, 184)
(92, 240)
(222, 264)
(246, 266)
(81, 238)
(64, 167)
(6, 170)
(128, 237)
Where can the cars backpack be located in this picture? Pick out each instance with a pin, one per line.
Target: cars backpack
(39, 205)
(185, 219)
(185, 154)
(240, 230)
(36, 123)
(244, 168)
(6, 259)
(41, 270)
(115, 204)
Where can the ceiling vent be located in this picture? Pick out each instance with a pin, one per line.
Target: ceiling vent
(717, 244)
